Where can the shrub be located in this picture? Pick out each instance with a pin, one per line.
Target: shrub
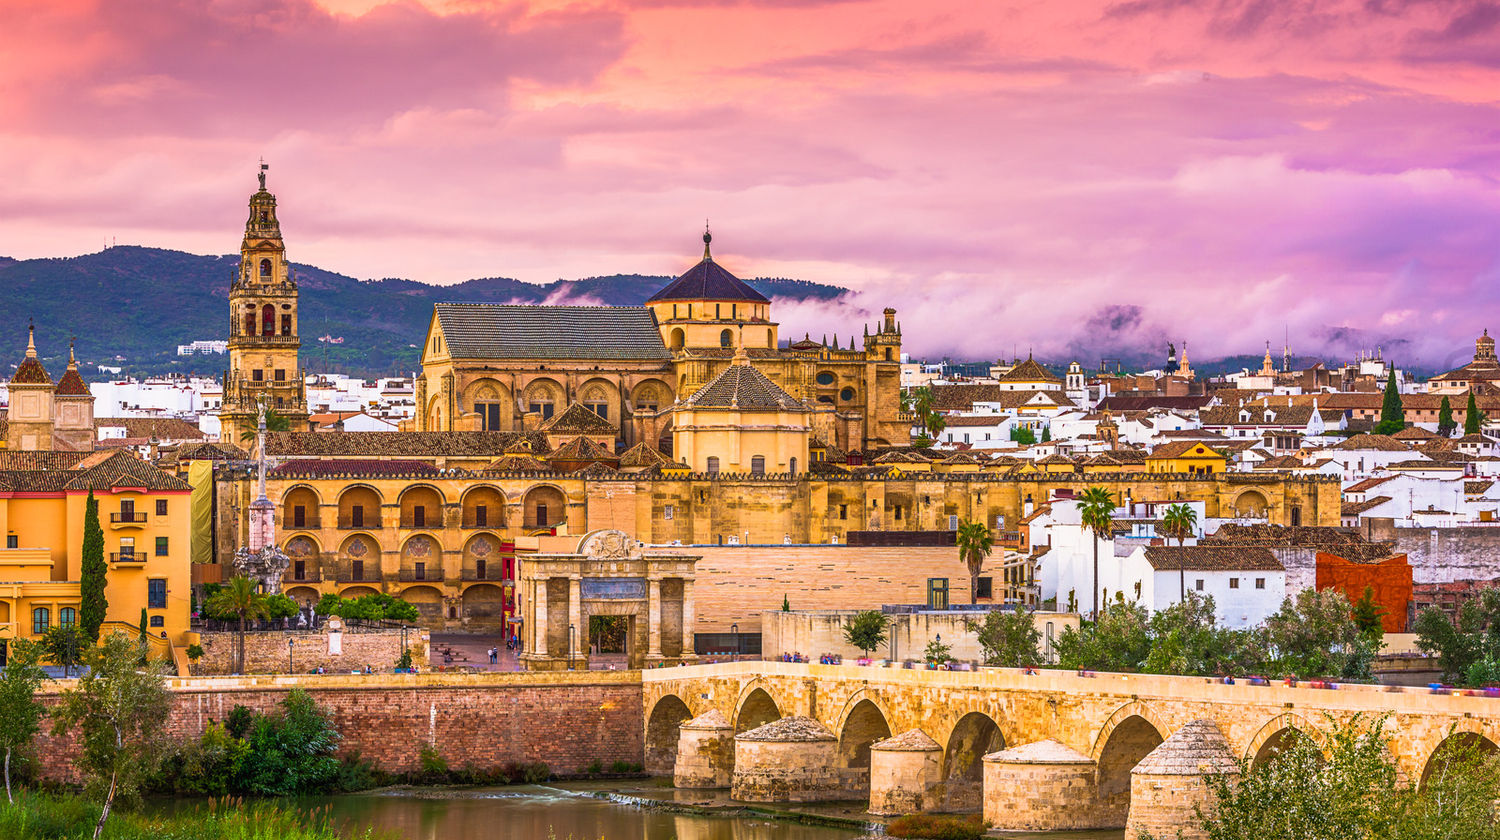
(535, 773)
(434, 766)
(239, 721)
(623, 767)
(195, 652)
(937, 827)
(595, 768)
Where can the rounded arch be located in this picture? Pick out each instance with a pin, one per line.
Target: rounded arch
(650, 395)
(600, 396)
(1459, 747)
(421, 506)
(265, 263)
(483, 507)
(424, 547)
(1251, 504)
(359, 507)
(973, 737)
(268, 321)
(360, 547)
(302, 547)
(544, 396)
(863, 724)
(726, 338)
(427, 599)
(1131, 733)
(663, 728)
(303, 594)
(678, 339)
(356, 591)
(484, 603)
(544, 506)
(756, 707)
(300, 506)
(1277, 735)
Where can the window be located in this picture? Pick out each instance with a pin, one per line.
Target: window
(127, 547)
(847, 394)
(280, 375)
(825, 378)
(667, 512)
(421, 571)
(543, 408)
(1198, 585)
(937, 593)
(299, 570)
(357, 516)
(156, 593)
(127, 510)
(1234, 583)
(299, 516)
(599, 408)
(67, 616)
(985, 588)
(161, 546)
(898, 513)
(156, 621)
(41, 619)
(1296, 516)
(791, 467)
(541, 514)
(479, 567)
(268, 320)
(758, 465)
(489, 416)
(161, 507)
(713, 465)
(358, 568)
(12, 541)
(953, 522)
(258, 375)
(481, 516)
(419, 517)
(286, 325)
(265, 265)
(843, 511)
(1260, 583)
(726, 338)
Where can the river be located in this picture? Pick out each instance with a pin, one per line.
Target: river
(578, 812)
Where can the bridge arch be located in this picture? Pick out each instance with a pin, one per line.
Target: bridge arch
(861, 723)
(1277, 735)
(663, 727)
(974, 736)
(1130, 734)
(1466, 739)
(755, 707)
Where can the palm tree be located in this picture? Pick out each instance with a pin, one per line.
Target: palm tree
(1097, 509)
(975, 542)
(1178, 523)
(274, 423)
(239, 597)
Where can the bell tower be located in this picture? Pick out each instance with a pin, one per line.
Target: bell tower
(263, 329)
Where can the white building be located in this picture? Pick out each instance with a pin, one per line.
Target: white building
(1247, 584)
(203, 348)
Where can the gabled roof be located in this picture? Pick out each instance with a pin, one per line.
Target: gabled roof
(642, 455)
(1204, 558)
(708, 281)
(1357, 508)
(1182, 448)
(742, 386)
(161, 428)
(579, 420)
(581, 449)
(508, 331)
(1371, 441)
(1368, 484)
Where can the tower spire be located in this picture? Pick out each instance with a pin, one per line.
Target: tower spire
(31, 340)
(262, 174)
(707, 238)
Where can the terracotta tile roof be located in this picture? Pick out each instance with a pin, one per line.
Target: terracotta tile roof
(960, 422)
(161, 428)
(1118, 404)
(709, 281)
(742, 386)
(597, 468)
(581, 449)
(507, 331)
(397, 444)
(14, 461)
(1474, 488)
(1181, 448)
(109, 469)
(1476, 438)
(1415, 433)
(309, 468)
(1426, 464)
(579, 420)
(1346, 542)
(1370, 441)
(1368, 484)
(962, 397)
(1029, 371)
(1212, 558)
(211, 451)
(72, 384)
(1356, 508)
(642, 455)
(517, 464)
(1259, 415)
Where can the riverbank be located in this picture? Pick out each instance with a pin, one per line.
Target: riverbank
(40, 816)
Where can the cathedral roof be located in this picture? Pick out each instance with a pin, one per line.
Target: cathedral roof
(581, 449)
(742, 386)
(643, 455)
(579, 420)
(507, 331)
(708, 281)
(30, 371)
(72, 385)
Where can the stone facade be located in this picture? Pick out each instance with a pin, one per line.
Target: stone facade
(788, 760)
(705, 753)
(906, 774)
(815, 633)
(266, 652)
(1042, 786)
(1169, 788)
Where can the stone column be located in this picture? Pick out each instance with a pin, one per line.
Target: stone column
(575, 618)
(688, 621)
(539, 617)
(653, 620)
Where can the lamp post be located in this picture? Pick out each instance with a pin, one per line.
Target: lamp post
(289, 643)
(735, 629)
(571, 630)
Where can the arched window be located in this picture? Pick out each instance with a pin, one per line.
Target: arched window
(887, 354)
(758, 465)
(726, 339)
(678, 339)
(67, 616)
(792, 466)
(265, 268)
(286, 324)
(249, 323)
(41, 619)
(268, 320)
(713, 465)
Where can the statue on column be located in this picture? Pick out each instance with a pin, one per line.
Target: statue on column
(261, 560)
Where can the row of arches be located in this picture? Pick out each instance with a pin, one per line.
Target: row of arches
(498, 404)
(478, 602)
(1130, 734)
(421, 506)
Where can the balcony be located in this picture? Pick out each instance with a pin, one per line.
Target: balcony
(349, 523)
(470, 521)
(128, 557)
(494, 574)
(127, 519)
(349, 574)
(424, 576)
(307, 576)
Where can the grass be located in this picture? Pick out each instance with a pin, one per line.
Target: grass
(47, 817)
(937, 827)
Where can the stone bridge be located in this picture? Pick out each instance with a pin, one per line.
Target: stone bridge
(1111, 720)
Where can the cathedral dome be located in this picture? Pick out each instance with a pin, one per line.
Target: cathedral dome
(708, 281)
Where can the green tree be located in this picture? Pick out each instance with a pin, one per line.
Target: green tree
(291, 751)
(1025, 437)
(1473, 417)
(1120, 640)
(1314, 635)
(20, 712)
(938, 652)
(1008, 638)
(866, 630)
(786, 604)
(119, 712)
(975, 543)
(1097, 509)
(1186, 639)
(281, 606)
(1178, 522)
(64, 645)
(1468, 649)
(1046, 434)
(92, 604)
(274, 423)
(1367, 614)
(243, 600)
(1446, 424)
(1392, 415)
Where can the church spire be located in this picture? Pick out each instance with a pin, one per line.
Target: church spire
(31, 341)
(707, 238)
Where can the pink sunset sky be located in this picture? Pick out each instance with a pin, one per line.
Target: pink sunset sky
(1078, 177)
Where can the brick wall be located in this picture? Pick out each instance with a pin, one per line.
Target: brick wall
(266, 653)
(565, 720)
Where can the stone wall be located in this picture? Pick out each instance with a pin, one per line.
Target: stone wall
(816, 633)
(266, 652)
(565, 720)
(1443, 555)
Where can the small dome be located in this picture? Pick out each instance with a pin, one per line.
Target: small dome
(1040, 752)
(712, 719)
(912, 740)
(795, 728)
(1198, 749)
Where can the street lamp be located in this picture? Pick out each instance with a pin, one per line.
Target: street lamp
(289, 643)
(735, 629)
(570, 646)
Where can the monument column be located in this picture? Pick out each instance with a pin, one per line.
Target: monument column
(575, 618)
(689, 654)
(539, 616)
(653, 620)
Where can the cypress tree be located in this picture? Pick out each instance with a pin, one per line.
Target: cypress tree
(1472, 417)
(92, 604)
(1392, 416)
(1445, 419)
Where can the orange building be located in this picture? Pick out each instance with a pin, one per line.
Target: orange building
(1390, 578)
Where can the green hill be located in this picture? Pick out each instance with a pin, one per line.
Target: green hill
(132, 306)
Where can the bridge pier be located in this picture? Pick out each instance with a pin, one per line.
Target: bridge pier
(1042, 786)
(1171, 784)
(906, 774)
(705, 752)
(794, 759)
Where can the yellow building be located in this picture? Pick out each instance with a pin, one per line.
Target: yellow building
(1186, 457)
(263, 328)
(741, 422)
(143, 513)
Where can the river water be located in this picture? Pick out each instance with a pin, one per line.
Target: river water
(576, 812)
